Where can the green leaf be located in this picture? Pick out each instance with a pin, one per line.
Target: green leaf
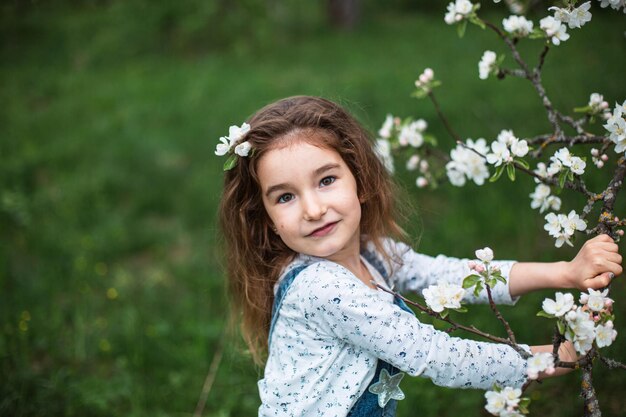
(510, 171)
(498, 173)
(430, 139)
(460, 29)
(419, 93)
(522, 163)
(478, 289)
(491, 282)
(500, 278)
(461, 310)
(561, 326)
(231, 162)
(470, 281)
(562, 178)
(444, 314)
(544, 314)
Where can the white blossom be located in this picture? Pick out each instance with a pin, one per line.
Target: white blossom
(595, 300)
(243, 148)
(605, 334)
(615, 4)
(519, 147)
(496, 402)
(411, 134)
(507, 137)
(597, 103)
(573, 222)
(616, 126)
(580, 330)
(577, 166)
(421, 182)
(517, 25)
(386, 129)
(500, 153)
(541, 171)
(444, 295)
(512, 396)
(554, 29)
(542, 199)
(539, 362)
(487, 64)
(560, 306)
(580, 15)
(235, 133)
(485, 254)
(457, 11)
(222, 148)
(413, 161)
(467, 164)
(383, 150)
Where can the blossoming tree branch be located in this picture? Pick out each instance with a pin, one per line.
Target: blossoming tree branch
(588, 324)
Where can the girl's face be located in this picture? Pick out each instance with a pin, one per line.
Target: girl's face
(311, 198)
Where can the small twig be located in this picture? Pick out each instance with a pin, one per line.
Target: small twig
(208, 381)
(611, 363)
(443, 118)
(495, 310)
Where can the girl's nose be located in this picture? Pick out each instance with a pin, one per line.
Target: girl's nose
(313, 208)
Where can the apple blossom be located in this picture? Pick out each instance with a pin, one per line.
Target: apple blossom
(496, 402)
(539, 362)
(499, 155)
(442, 296)
(243, 148)
(386, 130)
(554, 29)
(605, 334)
(465, 163)
(383, 150)
(412, 162)
(560, 306)
(517, 26)
(487, 64)
(485, 254)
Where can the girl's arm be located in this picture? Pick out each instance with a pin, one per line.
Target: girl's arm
(594, 266)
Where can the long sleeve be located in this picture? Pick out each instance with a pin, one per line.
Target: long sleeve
(339, 306)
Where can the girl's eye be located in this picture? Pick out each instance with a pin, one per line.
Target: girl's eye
(327, 181)
(285, 198)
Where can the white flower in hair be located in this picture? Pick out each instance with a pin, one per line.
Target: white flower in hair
(235, 135)
(243, 148)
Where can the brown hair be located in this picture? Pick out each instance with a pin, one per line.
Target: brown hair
(255, 255)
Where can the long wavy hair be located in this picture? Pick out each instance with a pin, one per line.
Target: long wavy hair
(254, 254)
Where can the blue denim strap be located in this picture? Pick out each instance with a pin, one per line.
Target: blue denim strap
(283, 286)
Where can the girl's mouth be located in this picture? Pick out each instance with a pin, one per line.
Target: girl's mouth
(324, 230)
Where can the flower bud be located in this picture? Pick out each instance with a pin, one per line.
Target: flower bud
(620, 232)
(421, 182)
(599, 164)
(595, 152)
(471, 264)
(479, 268)
(608, 303)
(604, 157)
(429, 73)
(423, 78)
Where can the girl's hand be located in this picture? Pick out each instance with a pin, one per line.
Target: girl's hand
(596, 263)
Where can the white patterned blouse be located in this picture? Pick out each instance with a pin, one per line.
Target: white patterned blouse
(332, 328)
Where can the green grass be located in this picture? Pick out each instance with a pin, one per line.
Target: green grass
(112, 298)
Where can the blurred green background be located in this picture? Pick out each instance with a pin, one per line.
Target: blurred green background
(112, 299)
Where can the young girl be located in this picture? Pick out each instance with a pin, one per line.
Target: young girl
(308, 217)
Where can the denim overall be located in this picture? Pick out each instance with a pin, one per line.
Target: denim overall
(367, 404)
